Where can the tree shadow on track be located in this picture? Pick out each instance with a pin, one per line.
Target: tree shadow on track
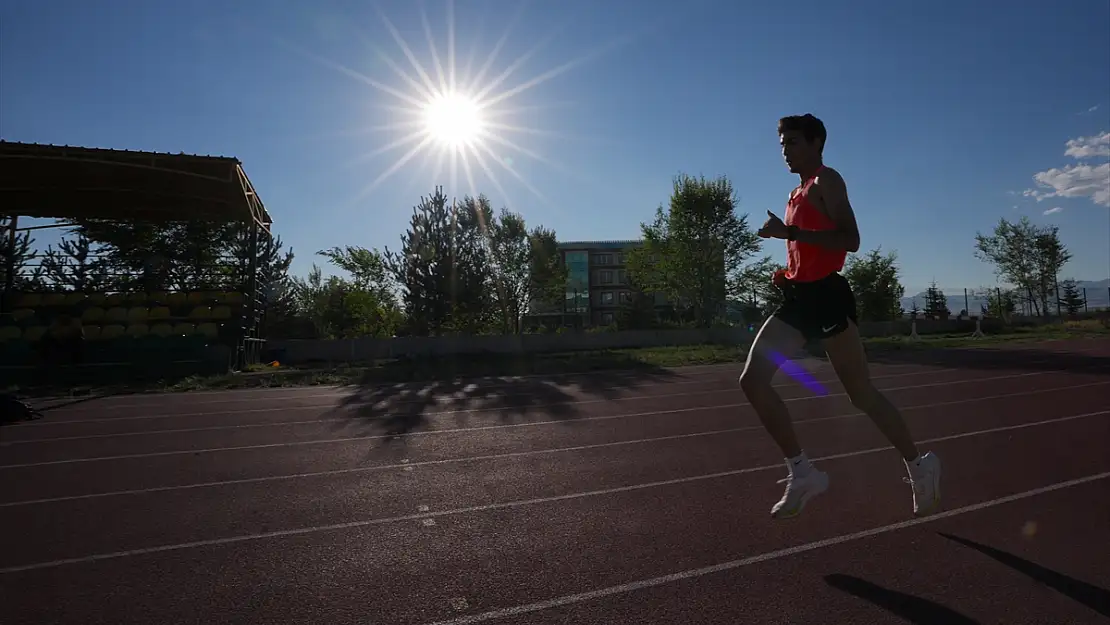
(1024, 358)
(395, 409)
(1094, 597)
(909, 607)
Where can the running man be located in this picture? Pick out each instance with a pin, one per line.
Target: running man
(820, 229)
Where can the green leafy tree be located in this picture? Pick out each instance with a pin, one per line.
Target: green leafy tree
(874, 277)
(693, 250)
(753, 287)
(1027, 256)
(526, 268)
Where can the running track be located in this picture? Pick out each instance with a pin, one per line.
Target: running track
(604, 499)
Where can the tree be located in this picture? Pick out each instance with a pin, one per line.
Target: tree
(75, 265)
(1051, 257)
(443, 267)
(368, 269)
(875, 282)
(19, 257)
(693, 250)
(936, 303)
(1071, 298)
(526, 265)
(752, 286)
(1027, 256)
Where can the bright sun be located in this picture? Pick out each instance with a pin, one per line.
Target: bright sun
(453, 119)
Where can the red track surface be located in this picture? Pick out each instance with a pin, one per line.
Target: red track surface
(615, 499)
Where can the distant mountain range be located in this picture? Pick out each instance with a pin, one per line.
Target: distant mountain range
(1098, 296)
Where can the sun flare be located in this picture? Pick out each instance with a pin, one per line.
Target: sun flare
(453, 119)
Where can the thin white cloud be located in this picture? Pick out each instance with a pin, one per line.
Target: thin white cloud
(1078, 181)
(1087, 147)
(1054, 210)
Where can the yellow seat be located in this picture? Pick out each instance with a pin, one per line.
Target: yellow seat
(23, 314)
(232, 299)
(221, 313)
(34, 333)
(196, 298)
(136, 299)
(200, 313)
(138, 330)
(115, 299)
(159, 312)
(116, 314)
(137, 314)
(75, 299)
(161, 329)
(111, 331)
(209, 330)
(94, 314)
(10, 333)
(29, 300)
(95, 299)
(54, 299)
(92, 333)
(184, 329)
(157, 297)
(175, 299)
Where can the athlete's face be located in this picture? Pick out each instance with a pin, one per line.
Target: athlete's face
(798, 153)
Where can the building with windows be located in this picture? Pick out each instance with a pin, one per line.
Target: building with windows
(597, 281)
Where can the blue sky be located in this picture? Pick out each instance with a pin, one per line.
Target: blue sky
(942, 116)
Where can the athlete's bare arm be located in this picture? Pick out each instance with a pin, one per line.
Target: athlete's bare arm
(832, 197)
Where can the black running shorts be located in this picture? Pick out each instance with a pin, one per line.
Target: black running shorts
(820, 309)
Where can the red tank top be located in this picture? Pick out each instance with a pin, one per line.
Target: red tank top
(805, 262)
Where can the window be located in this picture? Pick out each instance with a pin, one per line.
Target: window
(607, 277)
(626, 297)
(606, 319)
(622, 276)
(607, 298)
(603, 259)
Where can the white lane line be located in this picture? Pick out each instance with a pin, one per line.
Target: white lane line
(515, 454)
(763, 557)
(570, 420)
(507, 504)
(30, 424)
(734, 388)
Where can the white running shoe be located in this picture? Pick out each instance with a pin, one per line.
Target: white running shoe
(799, 490)
(925, 480)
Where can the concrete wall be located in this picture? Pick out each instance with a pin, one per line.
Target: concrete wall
(364, 349)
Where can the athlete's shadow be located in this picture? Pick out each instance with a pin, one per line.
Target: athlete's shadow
(1094, 597)
(913, 609)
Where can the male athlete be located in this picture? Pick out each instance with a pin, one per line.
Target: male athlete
(820, 229)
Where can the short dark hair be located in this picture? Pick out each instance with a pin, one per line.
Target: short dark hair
(810, 127)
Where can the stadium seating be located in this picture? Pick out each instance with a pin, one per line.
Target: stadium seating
(121, 326)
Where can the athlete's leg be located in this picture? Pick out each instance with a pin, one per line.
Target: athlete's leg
(776, 340)
(849, 360)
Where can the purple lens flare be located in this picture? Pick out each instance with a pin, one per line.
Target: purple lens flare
(794, 370)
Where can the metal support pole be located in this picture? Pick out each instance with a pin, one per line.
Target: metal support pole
(248, 343)
(9, 268)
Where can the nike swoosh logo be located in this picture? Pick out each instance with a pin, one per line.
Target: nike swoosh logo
(828, 329)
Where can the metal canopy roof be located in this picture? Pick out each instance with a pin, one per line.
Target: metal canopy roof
(65, 182)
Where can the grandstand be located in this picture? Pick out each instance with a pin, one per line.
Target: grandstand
(137, 326)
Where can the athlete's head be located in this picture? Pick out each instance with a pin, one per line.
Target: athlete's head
(803, 140)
